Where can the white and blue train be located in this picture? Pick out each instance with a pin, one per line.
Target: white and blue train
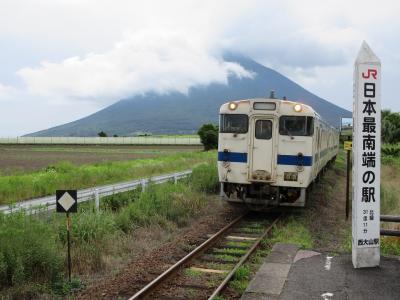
(271, 150)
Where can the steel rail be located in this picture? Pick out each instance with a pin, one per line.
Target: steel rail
(151, 286)
(243, 260)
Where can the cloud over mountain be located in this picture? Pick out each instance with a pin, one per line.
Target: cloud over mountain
(176, 112)
(146, 61)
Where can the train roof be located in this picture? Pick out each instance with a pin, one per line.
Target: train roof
(246, 106)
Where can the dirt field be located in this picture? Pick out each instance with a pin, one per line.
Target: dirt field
(22, 158)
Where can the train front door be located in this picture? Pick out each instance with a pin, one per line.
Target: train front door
(262, 150)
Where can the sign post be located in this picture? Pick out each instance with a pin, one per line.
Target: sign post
(348, 148)
(66, 202)
(366, 159)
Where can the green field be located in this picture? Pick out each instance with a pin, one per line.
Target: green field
(20, 159)
(65, 175)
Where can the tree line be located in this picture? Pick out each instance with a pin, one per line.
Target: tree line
(390, 127)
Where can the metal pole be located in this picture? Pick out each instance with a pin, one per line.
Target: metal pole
(388, 232)
(143, 185)
(348, 185)
(69, 246)
(97, 199)
(388, 218)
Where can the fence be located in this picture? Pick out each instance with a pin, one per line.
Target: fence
(133, 140)
(95, 193)
(389, 232)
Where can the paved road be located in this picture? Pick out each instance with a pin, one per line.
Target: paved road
(326, 277)
(292, 274)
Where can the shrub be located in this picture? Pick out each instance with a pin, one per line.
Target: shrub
(209, 136)
(390, 127)
(242, 273)
(28, 251)
(391, 150)
(160, 203)
(204, 178)
(89, 226)
(117, 201)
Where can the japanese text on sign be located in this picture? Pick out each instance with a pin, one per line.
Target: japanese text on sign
(366, 156)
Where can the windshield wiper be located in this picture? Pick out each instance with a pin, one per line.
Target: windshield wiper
(289, 133)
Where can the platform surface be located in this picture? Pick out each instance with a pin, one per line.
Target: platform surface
(312, 275)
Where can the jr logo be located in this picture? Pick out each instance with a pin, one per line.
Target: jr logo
(369, 73)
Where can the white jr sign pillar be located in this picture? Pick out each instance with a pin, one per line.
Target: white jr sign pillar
(366, 159)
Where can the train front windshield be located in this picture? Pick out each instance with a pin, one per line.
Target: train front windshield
(296, 125)
(233, 123)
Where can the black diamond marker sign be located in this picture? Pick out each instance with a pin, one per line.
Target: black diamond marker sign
(66, 201)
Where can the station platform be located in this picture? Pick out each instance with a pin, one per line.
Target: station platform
(290, 273)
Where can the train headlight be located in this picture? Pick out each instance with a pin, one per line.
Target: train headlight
(298, 107)
(232, 105)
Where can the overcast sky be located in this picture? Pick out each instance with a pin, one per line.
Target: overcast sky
(61, 60)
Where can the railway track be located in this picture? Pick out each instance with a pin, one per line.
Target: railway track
(206, 270)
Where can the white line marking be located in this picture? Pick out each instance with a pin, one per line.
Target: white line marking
(327, 296)
(328, 263)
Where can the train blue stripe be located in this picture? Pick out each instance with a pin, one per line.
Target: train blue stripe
(293, 160)
(232, 157)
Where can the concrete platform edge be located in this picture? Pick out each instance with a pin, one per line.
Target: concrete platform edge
(270, 279)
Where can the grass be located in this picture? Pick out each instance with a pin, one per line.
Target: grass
(391, 150)
(67, 176)
(108, 150)
(226, 257)
(220, 298)
(229, 251)
(295, 231)
(192, 273)
(29, 251)
(390, 200)
(32, 249)
(251, 230)
(240, 279)
(217, 266)
(390, 246)
(239, 244)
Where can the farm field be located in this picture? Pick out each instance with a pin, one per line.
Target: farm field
(33, 171)
(16, 159)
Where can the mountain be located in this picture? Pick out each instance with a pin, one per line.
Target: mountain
(178, 113)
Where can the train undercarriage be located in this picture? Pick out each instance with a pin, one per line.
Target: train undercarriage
(263, 194)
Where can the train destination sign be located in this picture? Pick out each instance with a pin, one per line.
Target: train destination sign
(66, 201)
(366, 159)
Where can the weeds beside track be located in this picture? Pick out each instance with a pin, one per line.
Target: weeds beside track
(32, 248)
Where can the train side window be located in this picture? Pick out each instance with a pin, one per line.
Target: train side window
(310, 126)
(234, 123)
(263, 129)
